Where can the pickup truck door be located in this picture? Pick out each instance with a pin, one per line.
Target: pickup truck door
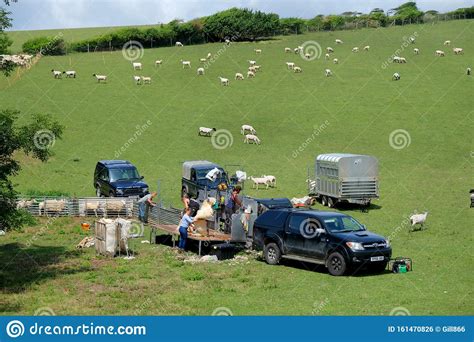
(315, 244)
(294, 240)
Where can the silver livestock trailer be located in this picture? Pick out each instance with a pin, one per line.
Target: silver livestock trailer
(341, 177)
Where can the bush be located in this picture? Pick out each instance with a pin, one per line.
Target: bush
(52, 46)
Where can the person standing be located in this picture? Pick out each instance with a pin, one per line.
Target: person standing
(144, 205)
(185, 223)
(230, 206)
(190, 203)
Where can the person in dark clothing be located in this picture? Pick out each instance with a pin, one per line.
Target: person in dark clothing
(190, 203)
(231, 204)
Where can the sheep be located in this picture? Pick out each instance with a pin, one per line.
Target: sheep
(402, 60)
(70, 73)
(227, 41)
(206, 212)
(115, 205)
(307, 55)
(326, 56)
(439, 53)
(418, 219)
(239, 76)
(416, 51)
(297, 69)
(200, 71)
(296, 50)
(24, 204)
(252, 69)
(468, 71)
(179, 44)
(355, 49)
(224, 81)
(137, 79)
(100, 78)
(251, 138)
(287, 50)
(247, 128)
(56, 73)
(411, 40)
(290, 65)
(458, 51)
(158, 62)
(335, 61)
(396, 76)
(55, 206)
(256, 67)
(252, 63)
(447, 42)
(271, 180)
(396, 59)
(205, 131)
(366, 48)
(186, 64)
(329, 49)
(146, 79)
(250, 74)
(338, 41)
(209, 55)
(259, 181)
(258, 51)
(328, 72)
(94, 206)
(137, 66)
(203, 60)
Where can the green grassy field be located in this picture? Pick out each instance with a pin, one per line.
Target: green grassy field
(360, 107)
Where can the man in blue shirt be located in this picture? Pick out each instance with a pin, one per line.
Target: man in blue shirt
(186, 222)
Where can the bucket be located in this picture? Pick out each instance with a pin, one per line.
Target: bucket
(85, 226)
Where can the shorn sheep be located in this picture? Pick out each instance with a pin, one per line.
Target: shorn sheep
(239, 76)
(458, 51)
(179, 44)
(137, 66)
(205, 131)
(51, 206)
(258, 51)
(416, 51)
(70, 74)
(100, 78)
(158, 62)
(271, 179)
(146, 79)
(439, 53)
(287, 50)
(297, 69)
(224, 81)
(447, 42)
(186, 64)
(290, 65)
(259, 181)
(335, 61)
(247, 128)
(137, 79)
(250, 74)
(251, 138)
(24, 204)
(418, 219)
(329, 49)
(200, 71)
(202, 60)
(396, 76)
(252, 63)
(355, 49)
(338, 41)
(56, 73)
(326, 56)
(367, 48)
(328, 72)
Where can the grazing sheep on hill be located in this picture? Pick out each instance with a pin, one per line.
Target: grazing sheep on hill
(70, 73)
(205, 131)
(252, 63)
(209, 55)
(250, 74)
(439, 53)
(203, 60)
(258, 51)
(137, 66)
(402, 60)
(328, 72)
(256, 67)
(259, 181)
(411, 40)
(458, 51)
(416, 51)
(338, 41)
(56, 73)
(137, 79)
(247, 128)
(100, 78)
(290, 65)
(307, 55)
(224, 81)
(355, 49)
(367, 48)
(271, 179)
(252, 69)
(326, 56)
(158, 62)
(447, 42)
(287, 50)
(200, 71)
(186, 64)
(396, 76)
(239, 76)
(419, 219)
(329, 49)
(297, 69)
(146, 79)
(179, 44)
(335, 61)
(468, 71)
(251, 138)
(296, 50)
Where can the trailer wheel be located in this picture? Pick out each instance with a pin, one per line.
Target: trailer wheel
(336, 263)
(324, 201)
(331, 202)
(272, 253)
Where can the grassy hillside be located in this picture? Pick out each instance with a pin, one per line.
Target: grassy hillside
(360, 106)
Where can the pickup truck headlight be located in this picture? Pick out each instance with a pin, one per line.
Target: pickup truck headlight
(120, 191)
(355, 246)
(387, 244)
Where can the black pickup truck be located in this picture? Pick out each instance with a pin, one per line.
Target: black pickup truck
(332, 239)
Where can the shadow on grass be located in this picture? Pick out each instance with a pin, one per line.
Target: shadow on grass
(23, 266)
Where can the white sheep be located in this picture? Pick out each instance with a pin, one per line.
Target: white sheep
(335, 61)
(186, 64)
(203, 60)
(158, 62)
(209, 55)
(239, 76)
(367, 48)
(179, 44)
(411, 40)
(258, 51)
(396, 76)
(100, 78)
(329, 49)
(458, 51)
(402, 60)
(297, 69)
(439, 53)
(70, 73)
(224, 81)
(137, 79)
(447, 42)
(416, 51)
(307, 55)
(355, 49)
(328, 72)
(256, 67)
(251, 138)
(250, 74)
(205, 131)
(200, 71)
(252, 63)
(137, 66)
(326, 56)
(287, 49)
(146, 79)
(24, 204)
(247, 128)
(290, 65)
(94, 206)
(56, 73)
(418, 219)
(259, 181)
(396, 59)
(271, 180)
(296, 50)
(252, 69)
(54, 206)
(227, 41)
(338, 41)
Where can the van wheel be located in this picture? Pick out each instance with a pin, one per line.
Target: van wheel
(336, 264)
(272, 253)
(324, 200)
(331, 202)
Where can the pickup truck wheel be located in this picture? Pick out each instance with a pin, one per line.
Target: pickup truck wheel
(272, 253)
(324, 200)
(98, 193)
(111, 194)
(336, 264)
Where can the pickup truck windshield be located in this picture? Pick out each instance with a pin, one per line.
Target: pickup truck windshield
(342, 224)
(128, 174)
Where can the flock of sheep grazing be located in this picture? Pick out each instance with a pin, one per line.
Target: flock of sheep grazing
(18, 60)
(249, 133)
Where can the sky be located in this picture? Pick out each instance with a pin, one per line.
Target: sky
(53, 14)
